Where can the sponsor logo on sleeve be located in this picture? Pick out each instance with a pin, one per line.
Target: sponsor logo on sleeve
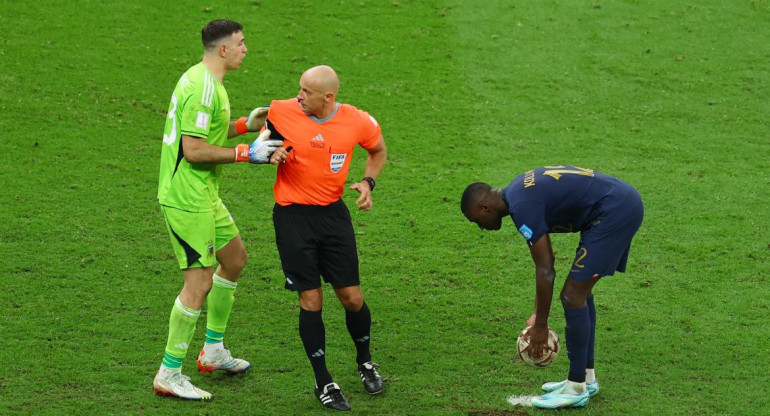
(526, 232)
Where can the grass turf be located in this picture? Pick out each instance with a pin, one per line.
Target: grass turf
(670, 96)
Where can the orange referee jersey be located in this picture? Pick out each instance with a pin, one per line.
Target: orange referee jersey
(317, 167)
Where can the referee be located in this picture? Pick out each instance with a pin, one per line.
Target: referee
(313, 229)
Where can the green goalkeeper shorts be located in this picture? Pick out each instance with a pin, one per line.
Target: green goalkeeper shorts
(197, 236)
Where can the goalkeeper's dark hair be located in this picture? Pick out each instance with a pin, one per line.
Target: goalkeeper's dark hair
(218, 29)
(473, 194)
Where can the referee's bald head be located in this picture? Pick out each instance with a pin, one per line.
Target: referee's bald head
(323, 78)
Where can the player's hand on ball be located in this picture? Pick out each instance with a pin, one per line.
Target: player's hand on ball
(538, 337)
(262, 148)
(538, 354)
(256, 118)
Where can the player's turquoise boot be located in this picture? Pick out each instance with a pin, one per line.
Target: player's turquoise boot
(563, 397)
(592, 387)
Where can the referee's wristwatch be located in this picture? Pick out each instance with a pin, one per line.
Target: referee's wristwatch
(370, 181)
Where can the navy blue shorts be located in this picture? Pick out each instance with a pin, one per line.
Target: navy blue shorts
(604, 247)
(316, 241)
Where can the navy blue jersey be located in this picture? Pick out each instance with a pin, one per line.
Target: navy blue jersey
(558, 199)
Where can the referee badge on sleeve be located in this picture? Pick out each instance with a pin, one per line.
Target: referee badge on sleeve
(337, 161)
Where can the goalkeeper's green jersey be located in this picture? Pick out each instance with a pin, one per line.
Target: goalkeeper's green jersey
(199, 108)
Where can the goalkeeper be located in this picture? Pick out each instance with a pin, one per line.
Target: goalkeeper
(201, 229)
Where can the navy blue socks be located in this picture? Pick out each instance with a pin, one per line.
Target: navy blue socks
(592, 339)
(578, 333)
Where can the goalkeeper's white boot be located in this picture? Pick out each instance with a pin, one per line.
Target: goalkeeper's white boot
(221, 360)
(175, 384)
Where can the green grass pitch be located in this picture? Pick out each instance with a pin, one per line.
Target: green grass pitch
(671, 96)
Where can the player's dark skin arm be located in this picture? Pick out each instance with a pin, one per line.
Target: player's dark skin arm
(542, 255)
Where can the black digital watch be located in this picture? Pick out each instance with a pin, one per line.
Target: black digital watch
(370, 181)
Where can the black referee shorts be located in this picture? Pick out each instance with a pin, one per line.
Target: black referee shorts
(316, 241)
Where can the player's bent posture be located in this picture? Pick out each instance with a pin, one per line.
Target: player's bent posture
(201, 229)
(606, 212)
(313, 229)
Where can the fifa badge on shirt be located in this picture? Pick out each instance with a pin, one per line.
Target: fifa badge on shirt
(202, 120)
(525, 231)
(337, 161)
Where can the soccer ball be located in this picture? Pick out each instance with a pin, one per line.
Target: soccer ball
(548, 355)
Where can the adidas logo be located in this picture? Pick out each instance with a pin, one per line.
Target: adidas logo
(364, 339)
(317, 141)
(182, 346)
(318, 354)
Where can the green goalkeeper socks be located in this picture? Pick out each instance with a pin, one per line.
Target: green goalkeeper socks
(181, 327)
(220, 303)
(182, 322)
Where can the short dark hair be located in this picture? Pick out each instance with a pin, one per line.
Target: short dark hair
(473, 193)
(218, 29)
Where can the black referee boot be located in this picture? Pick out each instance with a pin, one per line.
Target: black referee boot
(370, 377)
(331, 396)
